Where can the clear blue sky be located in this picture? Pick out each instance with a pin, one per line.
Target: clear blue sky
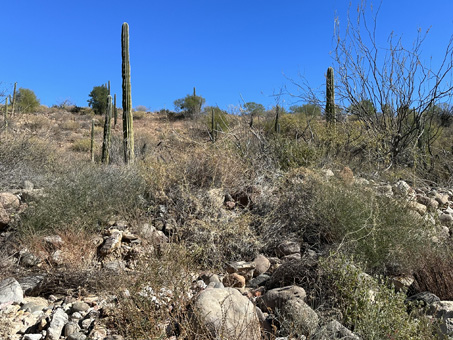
(61, 49)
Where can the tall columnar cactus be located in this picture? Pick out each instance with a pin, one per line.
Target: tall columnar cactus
(115, 111)
(128, 130)
(5, 120)
(92, 141)
(277, 124)
(330, 98)
(13, 103)
(108, 87)
(213, 129)
(107, 129)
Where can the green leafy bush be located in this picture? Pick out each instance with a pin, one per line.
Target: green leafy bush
(27, 100)
(373, 310)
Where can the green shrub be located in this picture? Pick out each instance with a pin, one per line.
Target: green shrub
(26, 100)
(373, 310)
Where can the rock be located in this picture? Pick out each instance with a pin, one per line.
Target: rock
(77, 336)
(28, 259)
(430, 203)
(4, 218)
(276, 298)
(385, 190)
(112, 243)
(71, 328)
(334, 330)
(37, 336)
(260, 280)
(443, 311)
(59, 319)
(11, 291)
(216, 197)
(80, 306)
(418, 207)
(34, 305)
(240, 267)
(53, 242)
(234, 280)
(346, 175)
(292, 257)
(299, 316)
(442, 199)
(9, 200)
(28, 185)
(225, 313)
(402, 282)
(328, 173)
(262, 265)
(426, 298)
(287, 248)
(154, 235)
(446, 219)
(30, 284)
(401, 188)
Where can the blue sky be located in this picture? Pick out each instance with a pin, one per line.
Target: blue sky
(61, 49)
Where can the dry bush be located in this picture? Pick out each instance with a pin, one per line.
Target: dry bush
(27, 158)
(81, 145)
(435, 275)
(70, 125)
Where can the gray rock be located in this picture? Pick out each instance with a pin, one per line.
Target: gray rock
(77, 336)
(401, 188)
(225, 313)
(240, 267)
(259, 281)
(278, 297)
(332, 331)
(30, 284)
(288, 248)
(112, 242)
(299, 316)
(11, 291)
(447, 219)
(426, 298)
(262, 265)
(86, 323)
(80, 306)
(71, 328)
(59, 319)
(28, 259)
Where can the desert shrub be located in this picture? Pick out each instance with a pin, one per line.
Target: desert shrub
(138, 115)
(26, 158)
(373, 310)
(293, 153)
(70, 125)
(84, 197)
(36, 123)
(161, 280)
(377, 230)
(81, 145)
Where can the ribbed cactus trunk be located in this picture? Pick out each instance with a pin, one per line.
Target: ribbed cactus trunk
(330, 98)
(108, 87)
(128, 130)
(213, 129)
(92, 141)
(115, 111)
(277, 124)
(13, 103)
(5, 117)
(107, 130)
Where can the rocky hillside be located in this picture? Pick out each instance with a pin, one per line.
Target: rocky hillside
(203, 240)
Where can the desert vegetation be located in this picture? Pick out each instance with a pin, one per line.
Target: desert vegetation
(347, 196)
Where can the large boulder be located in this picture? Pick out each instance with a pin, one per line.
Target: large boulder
(334, 330)
(224, 313)
(10, 291)
(289, 305)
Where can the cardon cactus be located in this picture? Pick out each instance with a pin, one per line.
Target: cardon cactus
(115, 111)
(330, 98)
(13, 103)
(6, 113)
(128, 130)
(107, 129)
(92, 141)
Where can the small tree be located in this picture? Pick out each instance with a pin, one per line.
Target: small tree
(27, 100)
(190, 105)
(98, 99)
